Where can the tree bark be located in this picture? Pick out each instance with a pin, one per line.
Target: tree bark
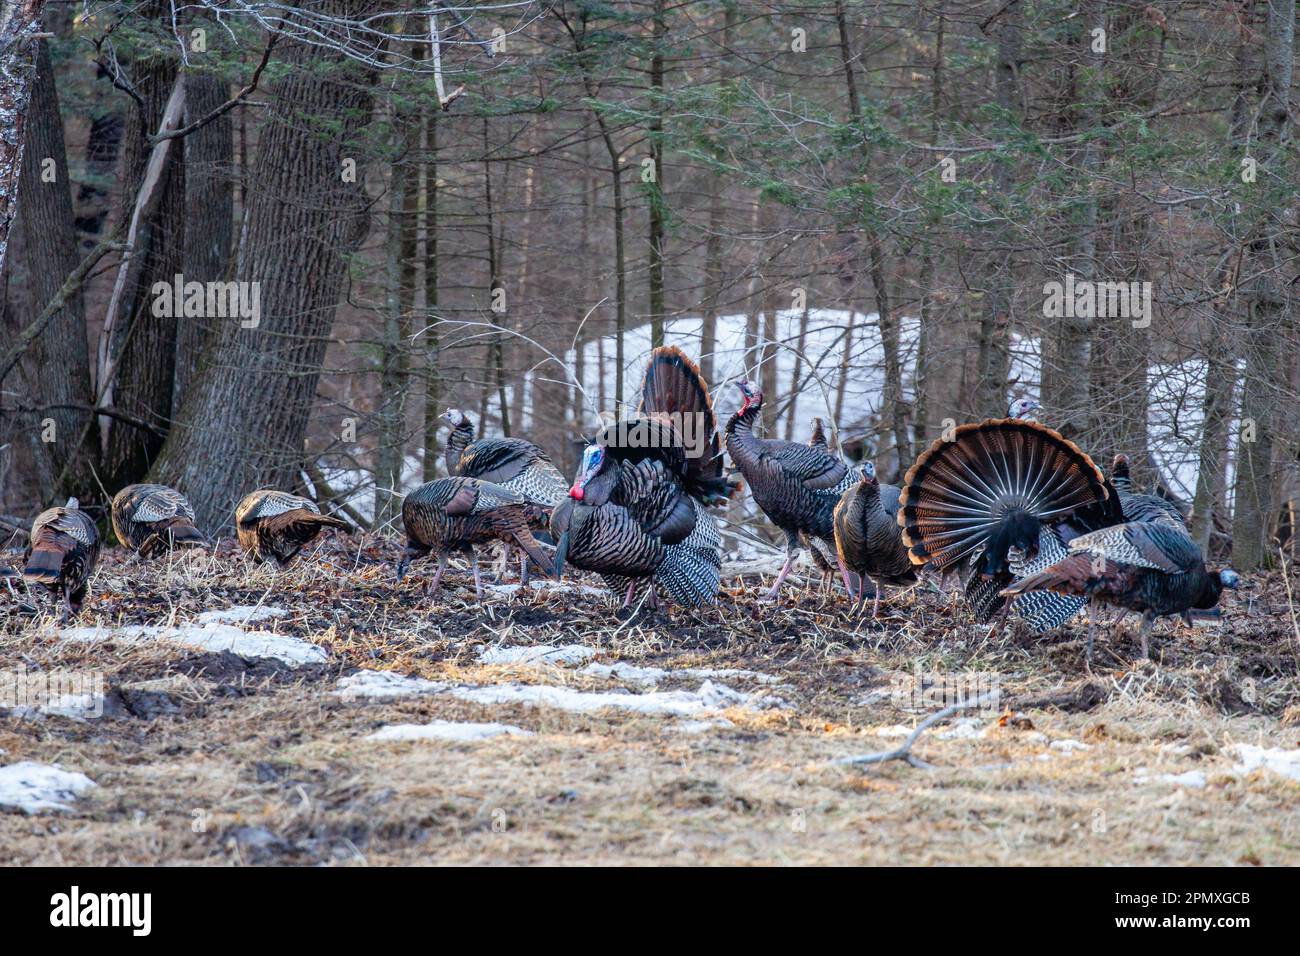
(245, 419)
(19, 19)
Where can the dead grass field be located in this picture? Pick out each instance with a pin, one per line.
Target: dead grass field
(205, 757)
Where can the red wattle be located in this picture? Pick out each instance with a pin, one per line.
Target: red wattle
(576, 493)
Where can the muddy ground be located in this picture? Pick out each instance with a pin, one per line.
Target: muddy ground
(206, 756)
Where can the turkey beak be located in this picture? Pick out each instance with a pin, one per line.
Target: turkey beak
(561, 553)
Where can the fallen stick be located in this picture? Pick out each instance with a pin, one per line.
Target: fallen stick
(905, 751)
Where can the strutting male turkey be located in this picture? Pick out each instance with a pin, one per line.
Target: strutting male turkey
(154, 519)
(868, 540)
(453, 515)
(513, 463)
(61, 553)
(1149, 566)
(797, 486)
(636, 513)
(998, 501)
(276, 525)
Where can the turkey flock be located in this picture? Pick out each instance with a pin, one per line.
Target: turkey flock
(1024, 518)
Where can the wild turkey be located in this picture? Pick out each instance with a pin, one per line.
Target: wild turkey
(999, 501)
(61, 553)
(818, 438)
(153, 519)
(1149, 566)
(868, 540)
(277, 525)
(513, 463)
(797, 486)
(1141, 507)
(636, 512)
(451, 515)
(1024, 409)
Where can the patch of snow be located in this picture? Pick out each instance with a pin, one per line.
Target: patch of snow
(1069, 746)
(385, 685)
(963, 728)
(896, 731)
(447, 730)
(536, 654)
(700, 726)
(1192, 778)
(36, 787)
(1283, 762)
(241, 614)
(653, 675)
(209, 636)
(677, 703)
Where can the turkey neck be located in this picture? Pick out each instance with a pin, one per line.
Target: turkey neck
(457, 442)
(741, 443)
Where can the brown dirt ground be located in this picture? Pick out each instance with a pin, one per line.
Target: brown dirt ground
(208, 758)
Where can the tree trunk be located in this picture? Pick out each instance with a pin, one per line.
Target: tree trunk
(656, 190)
(244, 421)
(433, 375)
(19, 19)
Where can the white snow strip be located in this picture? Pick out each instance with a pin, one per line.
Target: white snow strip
(1192, 778)
(210, 637)
(385, 685)
(963, 728)
(536, 654)
(1069, 746)
(447, 730)
(653, 675)
(36, 787)
(700, 726)
(1283, 762)
(241, 614)
(677, 703)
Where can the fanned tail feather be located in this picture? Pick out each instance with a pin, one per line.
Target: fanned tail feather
(673, 389)
(45, 564)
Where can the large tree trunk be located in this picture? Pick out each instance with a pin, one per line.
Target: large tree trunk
(1268, 296)
(19, 19)
(58, 370)
(245, 419)
(209, 201)
(142, 346)
(656, 190)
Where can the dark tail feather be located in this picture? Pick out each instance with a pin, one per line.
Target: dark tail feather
(323, 521)
(991, 487)
(561, 554)
(45, 565)
(184, 533)
(525, 540)
(673, 386)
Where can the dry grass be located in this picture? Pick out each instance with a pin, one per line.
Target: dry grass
(217, 760)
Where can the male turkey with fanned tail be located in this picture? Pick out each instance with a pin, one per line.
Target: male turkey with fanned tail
(797, 486)
(999, 500)
(450, 515)
(276, 525)
(636, 513)
(153, 519)
(1149, 566)
(61, 553)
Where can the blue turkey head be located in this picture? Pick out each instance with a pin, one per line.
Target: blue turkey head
(1230, 578)
(869, 472)
(592, 460)
(752, 395)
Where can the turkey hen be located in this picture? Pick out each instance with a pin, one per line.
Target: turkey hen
(513, 463)
(1138, 506)
(868, 540)
(450, 515)
(998, 502)
(796, 486)
(154, 519)
(61, 553)
(276, 525)
(1149, 566)
(636, 511)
